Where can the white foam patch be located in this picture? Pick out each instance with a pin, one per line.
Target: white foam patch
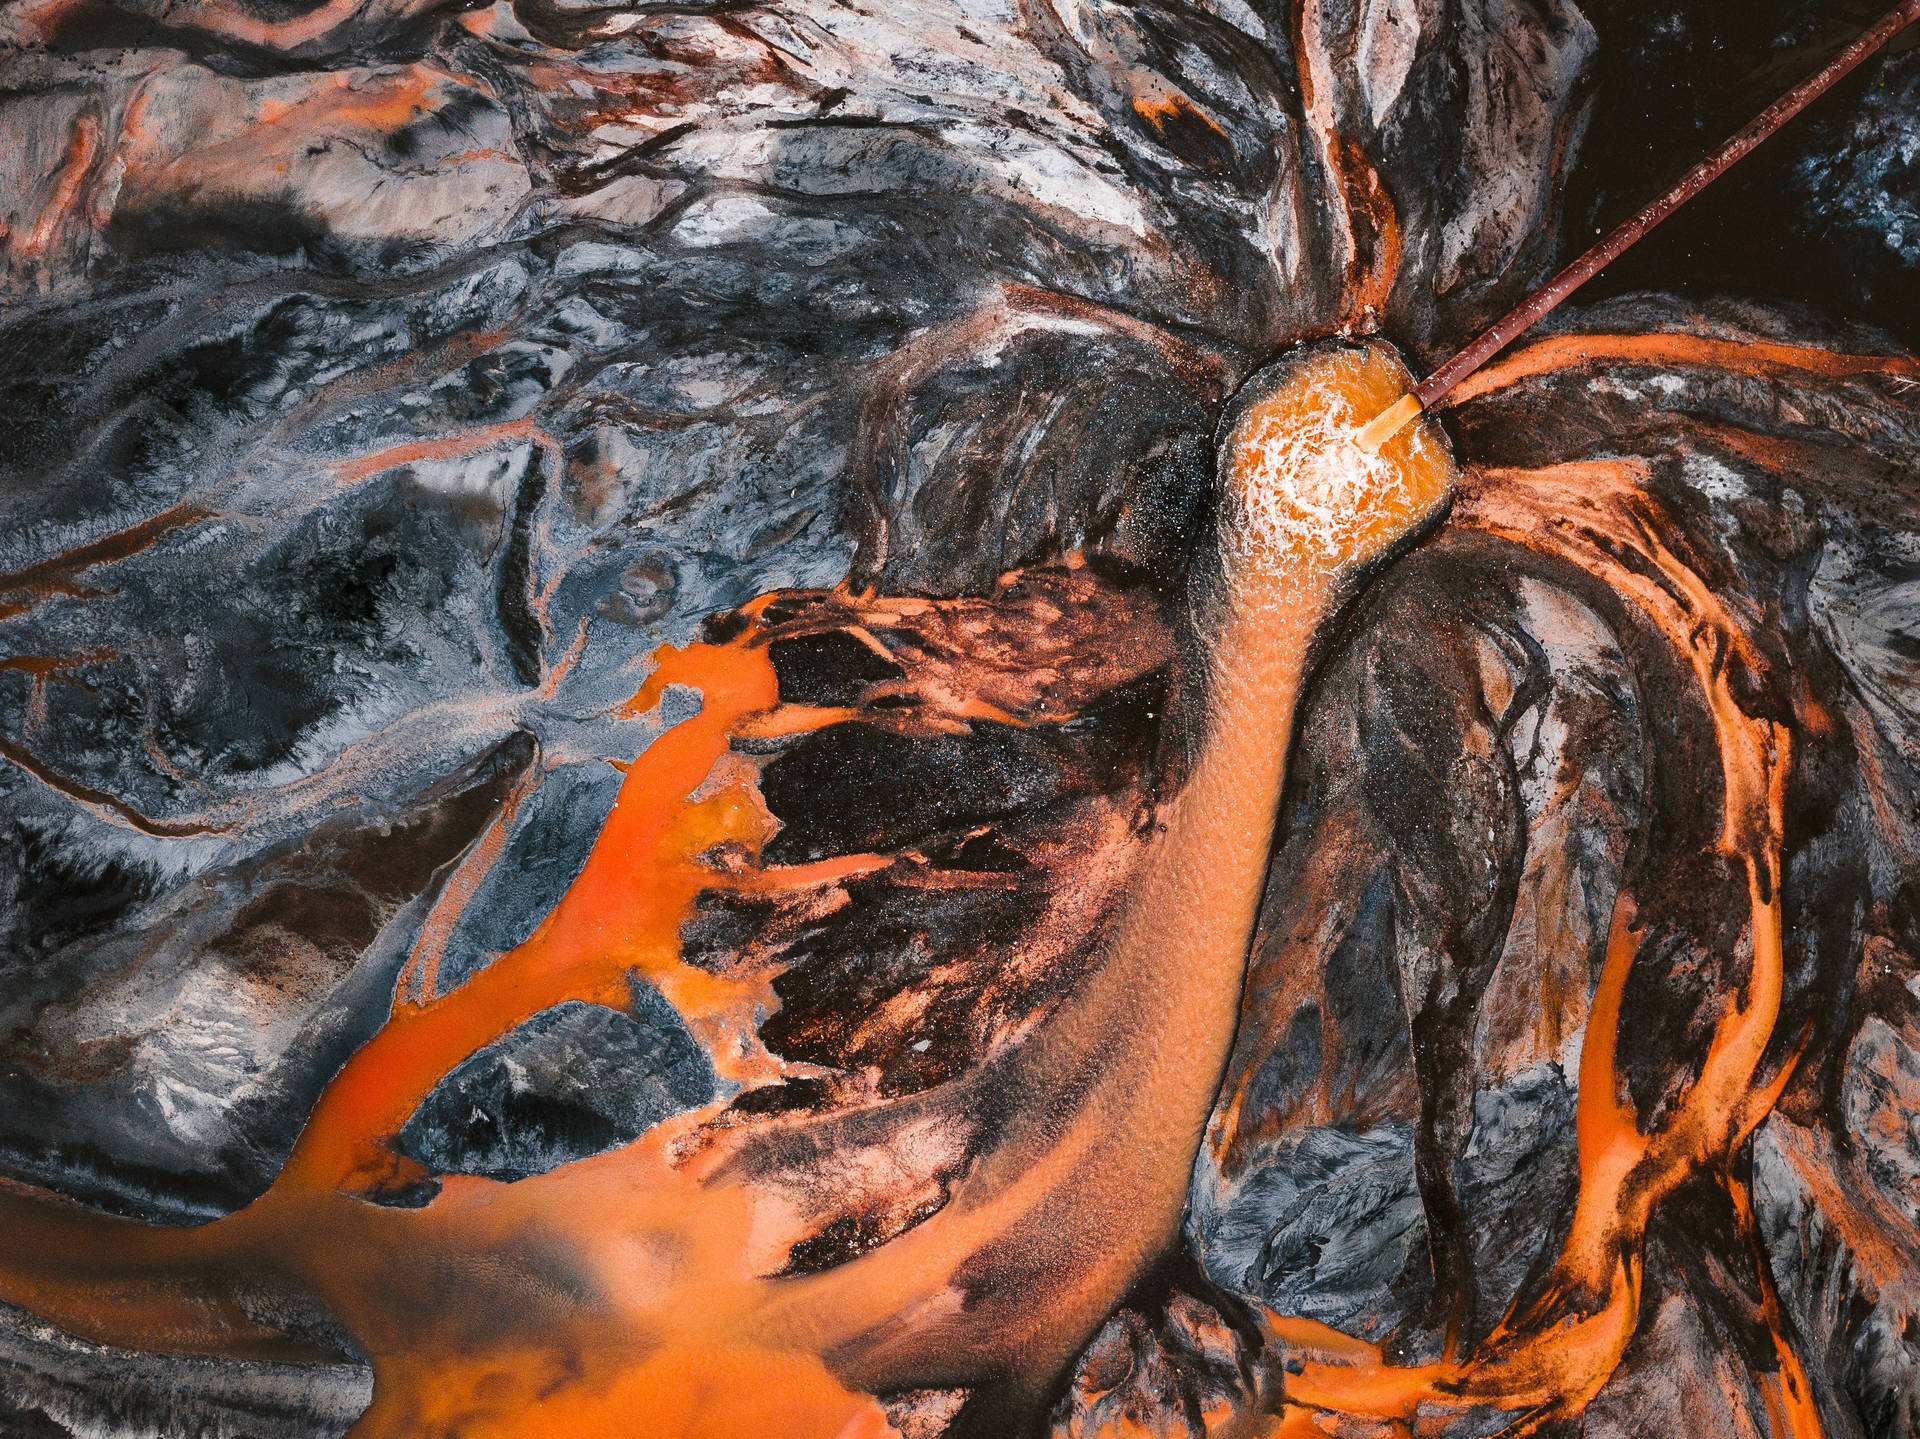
(1306, 487)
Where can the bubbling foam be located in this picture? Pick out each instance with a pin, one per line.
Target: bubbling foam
(1307, 484)
(1301, 497)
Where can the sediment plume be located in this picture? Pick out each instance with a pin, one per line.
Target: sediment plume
(644, 1284)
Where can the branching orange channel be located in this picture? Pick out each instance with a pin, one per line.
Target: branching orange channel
(636, 1282)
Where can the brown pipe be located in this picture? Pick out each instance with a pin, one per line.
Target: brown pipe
(1523, 316)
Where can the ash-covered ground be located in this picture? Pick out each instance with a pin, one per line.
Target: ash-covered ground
(384, 383)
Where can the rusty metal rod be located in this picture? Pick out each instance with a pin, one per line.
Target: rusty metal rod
(1431, 390)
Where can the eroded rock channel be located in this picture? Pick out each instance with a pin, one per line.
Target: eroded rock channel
(651, 658)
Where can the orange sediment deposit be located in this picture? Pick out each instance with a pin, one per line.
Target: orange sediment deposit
(1549, 1357)
(452, 447)
(97, 801)
(385, 104)
(23, 588)
(42, 667)
(1305, 504)
(620, 919)
(1370, 238)
(1160, 107)
(81, 151)
(643, 1285)
(1763, 359)
(1768, 359)
(235, 22)
(649, 1283)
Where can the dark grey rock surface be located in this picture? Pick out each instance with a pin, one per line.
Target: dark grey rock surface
(382, 385)
(574, 1080)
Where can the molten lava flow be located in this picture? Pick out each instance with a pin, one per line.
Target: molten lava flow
(644, 1285)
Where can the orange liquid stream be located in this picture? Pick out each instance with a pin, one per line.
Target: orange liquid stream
(1550, 1358)
(638, 1288)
